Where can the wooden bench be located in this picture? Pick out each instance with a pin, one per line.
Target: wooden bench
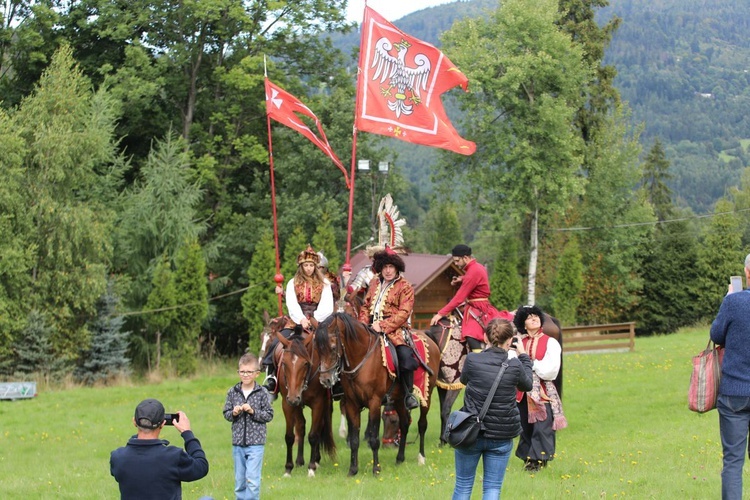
(613, 336)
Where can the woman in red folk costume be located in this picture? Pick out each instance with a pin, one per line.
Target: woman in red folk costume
(541, 408)
(309, 300)
(387, 308)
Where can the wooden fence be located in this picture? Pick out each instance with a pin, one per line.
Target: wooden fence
(616, 336)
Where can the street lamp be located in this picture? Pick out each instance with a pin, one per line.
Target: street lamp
(383, 167)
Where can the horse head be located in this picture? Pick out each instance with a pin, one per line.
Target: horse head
(269, 331)
(295, 365)
(330, 350)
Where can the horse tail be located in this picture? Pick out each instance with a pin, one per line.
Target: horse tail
(326, 433)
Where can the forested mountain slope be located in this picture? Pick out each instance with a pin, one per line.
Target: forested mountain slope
(683, 67)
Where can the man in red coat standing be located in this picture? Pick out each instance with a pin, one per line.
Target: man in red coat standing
(474, 291)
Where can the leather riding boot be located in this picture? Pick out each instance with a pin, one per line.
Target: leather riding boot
(410, 400)
(270, 382)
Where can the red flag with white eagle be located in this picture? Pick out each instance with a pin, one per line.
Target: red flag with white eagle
(283, 107)
(400, 85)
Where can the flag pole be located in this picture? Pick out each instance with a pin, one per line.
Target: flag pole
(347, 267)
(278, 278)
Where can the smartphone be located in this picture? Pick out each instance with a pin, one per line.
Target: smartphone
(736, 282)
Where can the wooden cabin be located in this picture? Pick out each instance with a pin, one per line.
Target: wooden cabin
(430, 275)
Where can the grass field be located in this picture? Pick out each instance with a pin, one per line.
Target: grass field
(630, 435)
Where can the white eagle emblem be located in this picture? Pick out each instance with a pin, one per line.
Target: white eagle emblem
(402, 78)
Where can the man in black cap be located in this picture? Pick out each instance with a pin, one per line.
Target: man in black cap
(148, 468)
(474, 290)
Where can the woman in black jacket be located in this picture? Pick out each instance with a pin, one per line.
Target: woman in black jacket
(502, 422)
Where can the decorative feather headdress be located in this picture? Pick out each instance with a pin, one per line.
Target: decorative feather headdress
(389, 229)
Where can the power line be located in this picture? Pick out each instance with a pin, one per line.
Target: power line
(650, 223)
(189, 304)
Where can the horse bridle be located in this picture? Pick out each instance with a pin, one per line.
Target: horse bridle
(338, 367)
(308, 375)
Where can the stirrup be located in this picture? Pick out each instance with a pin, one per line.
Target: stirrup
(410, 400)
(270, 383)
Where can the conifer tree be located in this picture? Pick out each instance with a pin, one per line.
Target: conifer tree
(191, 286)
(294, 245)
(35, 351)
(260, 296)
(324, 240)
(719, 257)
(568, 284)
(107, 356)
(505, 281)
(161, 312)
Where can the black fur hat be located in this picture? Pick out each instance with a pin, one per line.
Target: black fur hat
(387, 256)
(524, 312)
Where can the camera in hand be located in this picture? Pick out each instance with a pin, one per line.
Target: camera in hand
(171, 418)
(514, 343)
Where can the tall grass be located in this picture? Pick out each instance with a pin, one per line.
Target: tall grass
(630, 435)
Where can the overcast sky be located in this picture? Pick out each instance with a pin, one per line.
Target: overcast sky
(389, 9)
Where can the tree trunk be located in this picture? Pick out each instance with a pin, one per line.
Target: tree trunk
(534, 244)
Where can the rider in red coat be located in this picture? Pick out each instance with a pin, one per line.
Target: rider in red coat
(474, 290)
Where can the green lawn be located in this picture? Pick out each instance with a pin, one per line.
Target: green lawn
(630, 435)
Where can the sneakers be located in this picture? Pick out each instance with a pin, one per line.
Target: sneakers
(534, 465)
(411, 402)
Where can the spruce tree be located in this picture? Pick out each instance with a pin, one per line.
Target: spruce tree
(107, 356)
(34, 349)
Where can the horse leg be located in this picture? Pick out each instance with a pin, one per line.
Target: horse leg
(342, 424)
(422, 426)
(301, 426)
(403, 425)
(290, 417)
(314, 438)
(447, 398)
(372, 434)
(353, 422)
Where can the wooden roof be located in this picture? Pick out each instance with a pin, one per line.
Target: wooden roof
(421, 268)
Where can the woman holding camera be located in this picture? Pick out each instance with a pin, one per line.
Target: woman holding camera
(502, 422)
(541, 408)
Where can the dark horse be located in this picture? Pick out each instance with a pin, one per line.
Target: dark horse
(447, 335)
(299, 384)
(351, 351)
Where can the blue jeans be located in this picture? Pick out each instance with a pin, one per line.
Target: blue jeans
(248, 461)
(734, 424)
(495, 453)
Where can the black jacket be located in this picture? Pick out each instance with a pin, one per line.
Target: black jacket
(151, 469)
(502, 420)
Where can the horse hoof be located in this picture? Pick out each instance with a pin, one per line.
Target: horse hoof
(287, 474)
(352, 472)
(310, 473)
(420, 459)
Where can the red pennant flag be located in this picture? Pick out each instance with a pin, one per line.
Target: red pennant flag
(400, 86)
(283, 106)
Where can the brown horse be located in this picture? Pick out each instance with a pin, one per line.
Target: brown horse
(299, 384)
(351, 351)
(447, 335)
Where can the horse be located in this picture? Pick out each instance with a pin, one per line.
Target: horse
(299, 385)
(351, 351)
(447, 335)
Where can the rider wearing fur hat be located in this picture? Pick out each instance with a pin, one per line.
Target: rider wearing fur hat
(387, 308)
(309, 300)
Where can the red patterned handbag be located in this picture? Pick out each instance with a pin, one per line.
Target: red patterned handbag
(704, 381)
